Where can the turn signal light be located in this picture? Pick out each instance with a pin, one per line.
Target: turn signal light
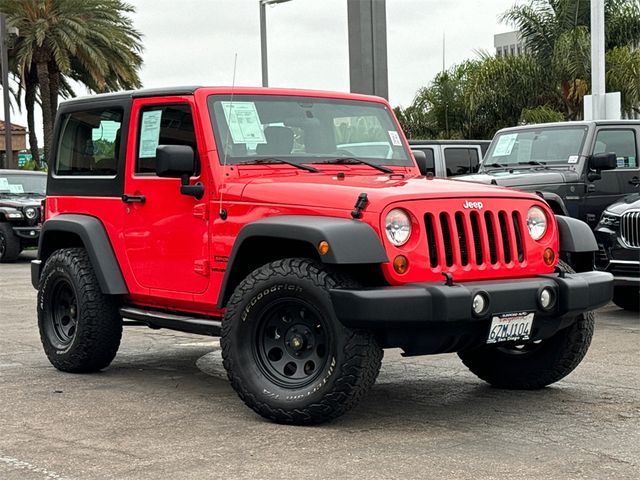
(548, 256)
(323, 247)
(400, 264)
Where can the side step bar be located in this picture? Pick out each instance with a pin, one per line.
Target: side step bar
(172, 321)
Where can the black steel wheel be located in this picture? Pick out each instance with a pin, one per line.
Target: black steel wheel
(63, 312)
(286, 354)
(9, 244)
(292, 342)
(80, 327)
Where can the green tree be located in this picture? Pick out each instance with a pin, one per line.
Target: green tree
(89, 41)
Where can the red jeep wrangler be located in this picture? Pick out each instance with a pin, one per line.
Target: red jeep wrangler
(296, 226)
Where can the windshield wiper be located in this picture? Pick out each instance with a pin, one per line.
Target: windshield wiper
(358, 160)
(494, 165)
(534, 162)
(268, 160)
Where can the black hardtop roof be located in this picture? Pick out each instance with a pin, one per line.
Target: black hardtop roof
(128, 94)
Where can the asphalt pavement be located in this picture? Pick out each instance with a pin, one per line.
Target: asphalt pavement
(164, 410)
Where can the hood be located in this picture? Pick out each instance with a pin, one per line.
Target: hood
(21, 201)
(522, 177)
(630, 202)
(330, 191)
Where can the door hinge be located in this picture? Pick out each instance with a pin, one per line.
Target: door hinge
(201, 267)
(201, 211)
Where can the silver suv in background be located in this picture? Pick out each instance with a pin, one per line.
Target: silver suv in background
(449, 158)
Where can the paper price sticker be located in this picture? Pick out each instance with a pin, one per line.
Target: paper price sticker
(395, 138)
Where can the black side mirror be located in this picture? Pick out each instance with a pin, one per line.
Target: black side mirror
(178, 161)
(426, 165)
(599, 162)
(603, 161)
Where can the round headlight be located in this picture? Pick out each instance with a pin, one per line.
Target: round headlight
(30, 213)
(536, 222)
(398, 227)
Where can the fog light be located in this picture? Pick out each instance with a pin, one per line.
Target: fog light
(548, 256)
(480, 304)
(400, 264)
(323, 247)
(546, 298)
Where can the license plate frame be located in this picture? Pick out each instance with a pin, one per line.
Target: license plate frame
(510, 327)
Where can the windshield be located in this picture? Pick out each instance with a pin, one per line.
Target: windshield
(304, 130)
(18, 184)
(551, 145)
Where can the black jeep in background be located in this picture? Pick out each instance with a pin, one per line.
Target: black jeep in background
(580, 168)
(21, 195)
(618, 236)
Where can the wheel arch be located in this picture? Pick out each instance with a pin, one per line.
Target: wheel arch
(75, 230)
(353, 246)
(555, 202)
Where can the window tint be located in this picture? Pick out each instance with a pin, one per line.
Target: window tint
(620, 142)
(90, 143)
(163, 125)
(460, 161)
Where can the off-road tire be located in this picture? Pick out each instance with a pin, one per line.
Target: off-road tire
(98, 326)
(353, 357)
(627, 298)
(547, 362)
(9, 244)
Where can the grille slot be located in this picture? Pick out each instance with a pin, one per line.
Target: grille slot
(515, 216)
(477, 240)
(446, 236)
(431, 240)
(472, 237)
(462, 239)
(630, 229)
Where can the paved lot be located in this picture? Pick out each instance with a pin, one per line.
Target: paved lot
(164, 410)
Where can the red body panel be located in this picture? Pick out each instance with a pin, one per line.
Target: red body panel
(173, 249)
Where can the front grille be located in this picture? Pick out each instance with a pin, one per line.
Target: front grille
(630, 229)
(469, 238)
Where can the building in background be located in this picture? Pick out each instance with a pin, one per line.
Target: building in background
(508, 43)
(18, 142)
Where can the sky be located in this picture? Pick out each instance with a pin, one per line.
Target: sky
(194, 42)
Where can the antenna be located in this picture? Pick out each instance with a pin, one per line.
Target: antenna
(443, 45)
(221, 211)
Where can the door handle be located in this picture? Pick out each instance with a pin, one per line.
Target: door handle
(133, 198)
(635, 181)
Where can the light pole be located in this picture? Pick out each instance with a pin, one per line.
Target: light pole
(263, 37)
(4, 60)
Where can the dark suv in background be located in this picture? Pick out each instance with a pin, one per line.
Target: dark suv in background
(618, 236)
(21, 195)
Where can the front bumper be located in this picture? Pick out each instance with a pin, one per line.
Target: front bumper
(28, 233)
(433, 317)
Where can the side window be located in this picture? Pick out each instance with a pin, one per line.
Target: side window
(460, 161)
(89, 143)
(163, 125)
(620, 142)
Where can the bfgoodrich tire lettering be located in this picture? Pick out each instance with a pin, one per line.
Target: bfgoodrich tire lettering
(331, 367)
(80, 327)
(534, 366)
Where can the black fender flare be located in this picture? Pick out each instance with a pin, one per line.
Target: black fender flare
(551, 197)
(96, 242)
(575, 235)
(350, 241)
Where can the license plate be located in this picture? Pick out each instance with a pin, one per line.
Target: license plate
(510, 327)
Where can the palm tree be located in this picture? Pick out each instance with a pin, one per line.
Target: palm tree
(89, 41)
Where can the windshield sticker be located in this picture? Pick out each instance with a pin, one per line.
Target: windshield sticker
(16, 188)
(573, 158)
(150, 133)
(505, 145)
(244, 122)
(4, 184)
(395, 138)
